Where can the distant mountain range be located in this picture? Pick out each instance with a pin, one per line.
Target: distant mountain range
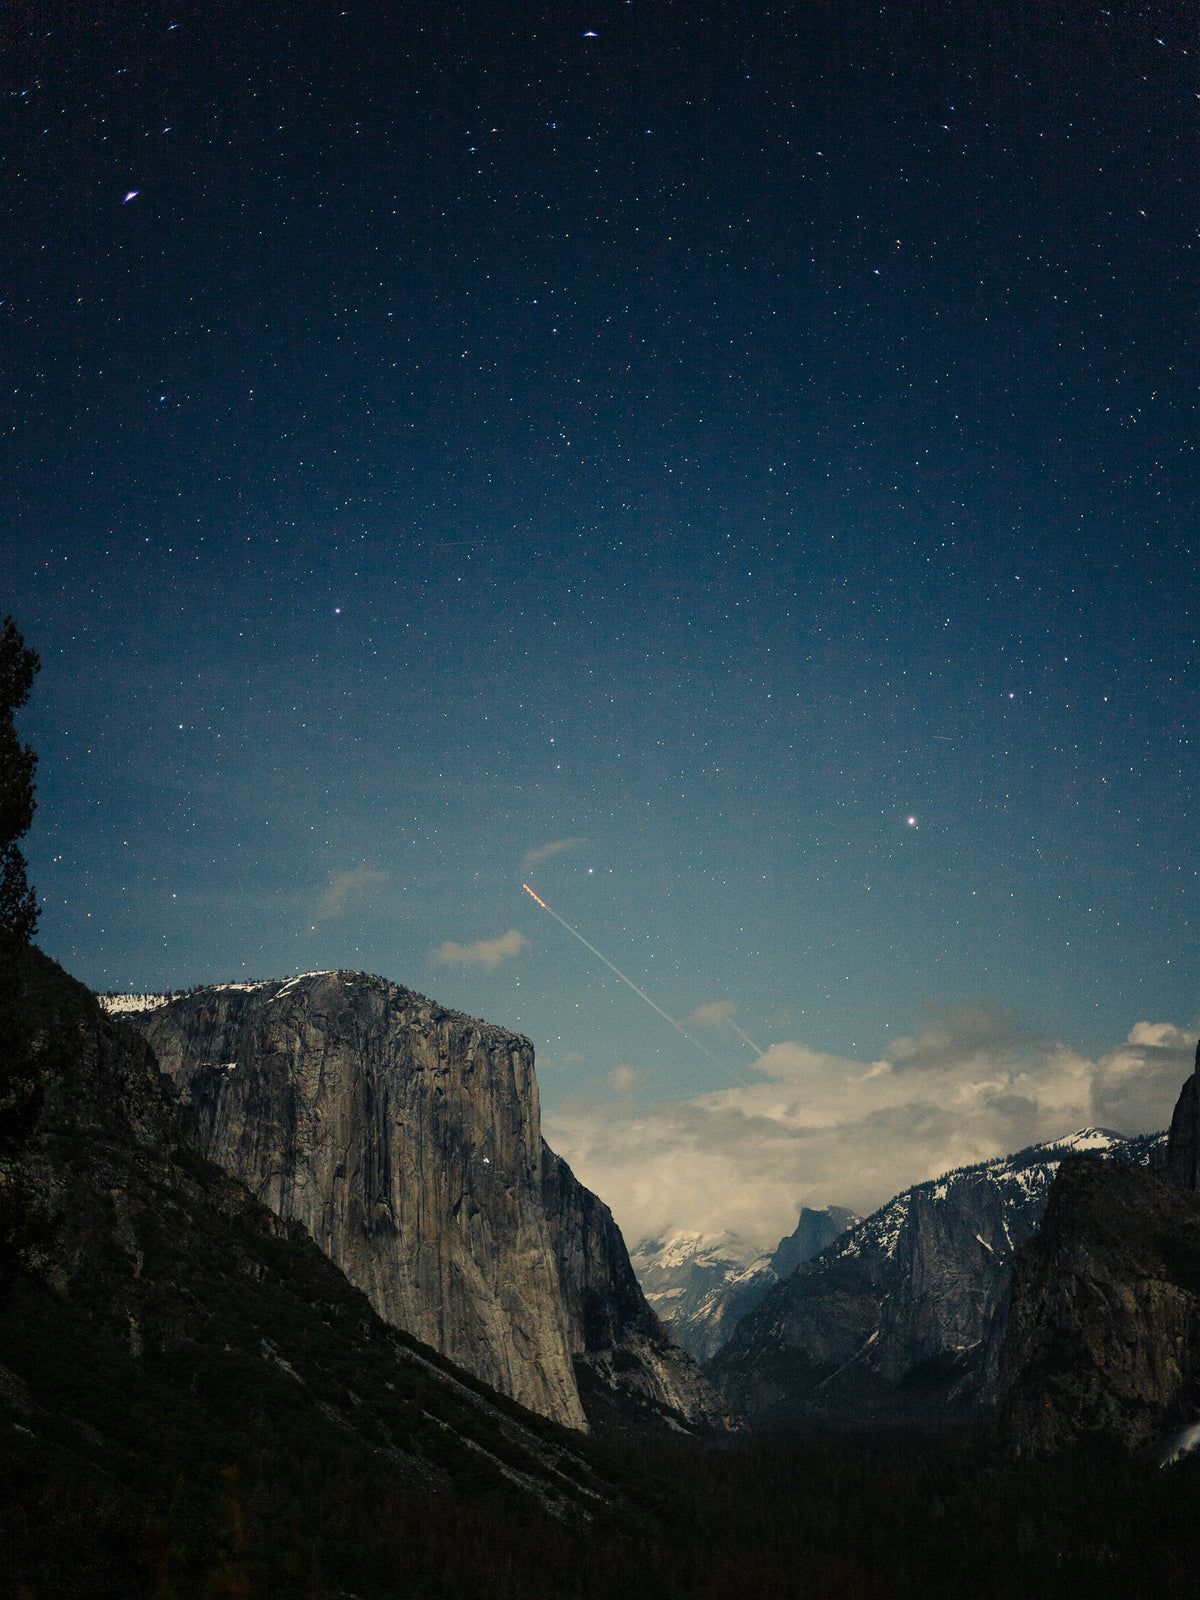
(702, 1284)
(905, 1314)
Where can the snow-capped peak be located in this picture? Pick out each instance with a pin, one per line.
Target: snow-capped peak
(674, 1250)
(1087, 1139)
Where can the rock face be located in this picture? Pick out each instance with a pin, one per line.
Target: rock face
(614, 1335)
(1103, 1336)
(905, 1313)
(407, 1140)
(814, 1231)
(703, 1284)
(162, 1314)
(1183, 1145)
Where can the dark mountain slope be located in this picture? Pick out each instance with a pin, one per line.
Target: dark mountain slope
(1104, 1331)
(1103, 1340)
(627, 1365)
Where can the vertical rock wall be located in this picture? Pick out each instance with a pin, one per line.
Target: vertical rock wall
(1183, 1142)
(407, 1140)
(613, 1332)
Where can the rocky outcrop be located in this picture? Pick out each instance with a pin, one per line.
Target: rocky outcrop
(701, 1285)
(406, 1139)
(614, 1334)
(1103, 1338)
(1183, 1143)
(814, 1231)
(904, 1314)
(163, 1316)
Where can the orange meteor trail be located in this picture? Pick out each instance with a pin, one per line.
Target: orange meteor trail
(628, 982)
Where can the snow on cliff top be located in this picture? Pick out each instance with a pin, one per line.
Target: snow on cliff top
(126, 1003)
(132, 1002)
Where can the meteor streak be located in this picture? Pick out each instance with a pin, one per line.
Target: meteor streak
(628, 982)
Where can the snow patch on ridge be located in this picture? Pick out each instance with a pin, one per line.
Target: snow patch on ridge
(125, 1004)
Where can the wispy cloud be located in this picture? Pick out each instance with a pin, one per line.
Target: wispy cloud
(816, 1129)
(710, 1015)
(624, 1080)
(543, 852)
(486, 953)
(341, 886)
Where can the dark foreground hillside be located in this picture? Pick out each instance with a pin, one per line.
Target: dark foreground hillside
(274, 1515)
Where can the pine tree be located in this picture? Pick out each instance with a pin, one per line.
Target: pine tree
(21, 1085)
(18, 666)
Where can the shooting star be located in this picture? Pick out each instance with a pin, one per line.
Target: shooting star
(628, 982)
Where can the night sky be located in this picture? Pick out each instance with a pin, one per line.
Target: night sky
(750, 449)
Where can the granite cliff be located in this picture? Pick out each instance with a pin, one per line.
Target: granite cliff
(406, 1139)
(1103, 1339)
(905, 1312)
(160, 1326)
(1183, 1142)
(623, 1355)
(1103, 1335)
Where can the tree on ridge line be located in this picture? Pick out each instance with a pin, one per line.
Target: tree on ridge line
(18, 667)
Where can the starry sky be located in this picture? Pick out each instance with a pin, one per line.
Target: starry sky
(734, 468)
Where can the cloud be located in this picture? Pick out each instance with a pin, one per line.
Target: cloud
(624, 1080)
(710, 1015)
(543, 852)
(486, 953)
(341, 886)
(1141, 1077)
(1164, 1034)
(814, 1128)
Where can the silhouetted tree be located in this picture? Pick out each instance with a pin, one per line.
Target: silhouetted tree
(21, 1086)
(18, 665)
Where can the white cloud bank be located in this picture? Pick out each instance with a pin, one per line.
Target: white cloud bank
(486, 953)
(818, 1129)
